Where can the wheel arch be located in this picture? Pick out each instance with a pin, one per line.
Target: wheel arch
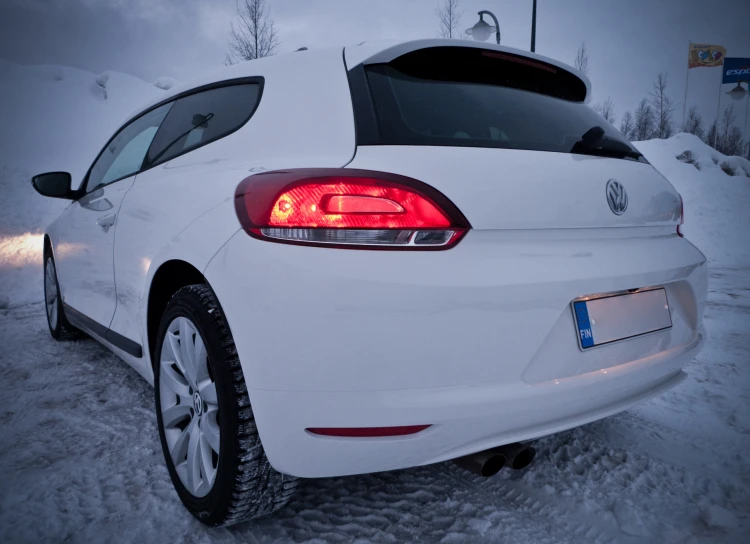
(47, 246)
(170, 277)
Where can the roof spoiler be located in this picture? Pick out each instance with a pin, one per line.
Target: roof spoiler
(383, 52)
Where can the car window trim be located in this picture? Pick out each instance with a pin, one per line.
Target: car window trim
(259, 80)
(84, 189)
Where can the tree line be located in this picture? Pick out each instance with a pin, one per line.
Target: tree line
(654, 116)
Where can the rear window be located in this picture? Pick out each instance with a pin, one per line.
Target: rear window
(477, 98)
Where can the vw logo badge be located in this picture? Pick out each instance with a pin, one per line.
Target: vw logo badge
(617, 197)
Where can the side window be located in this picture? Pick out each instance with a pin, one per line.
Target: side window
(201, 118)
(124, 155)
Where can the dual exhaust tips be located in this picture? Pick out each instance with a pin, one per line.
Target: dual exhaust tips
(489, 462)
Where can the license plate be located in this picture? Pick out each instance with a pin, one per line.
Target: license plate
(611, 318)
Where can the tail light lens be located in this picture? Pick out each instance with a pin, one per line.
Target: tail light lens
(367, 432)
(682, 218)
(347, 208)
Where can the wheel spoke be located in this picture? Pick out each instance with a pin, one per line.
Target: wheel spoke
(200, 358)
(174, 414)
(208, 393)
(186, 350)
(174, 381)
(194, 459)
(210, 428)
(174, 346)
(207, 463)
(180, 447)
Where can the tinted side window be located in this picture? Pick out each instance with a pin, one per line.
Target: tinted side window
(200, 118)
(124, 155)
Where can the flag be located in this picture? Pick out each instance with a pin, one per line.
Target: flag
(705, 55)
(736, 70)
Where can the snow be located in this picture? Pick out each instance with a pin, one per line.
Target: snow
(80, 457)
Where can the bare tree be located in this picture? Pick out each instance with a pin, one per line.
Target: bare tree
(729, 139)
(254, 35)
(606, 109)
(582, 59)
(449, 16)
(711, 137)
(663, 108)
(693, 123)
(644, 122)
(627, 125)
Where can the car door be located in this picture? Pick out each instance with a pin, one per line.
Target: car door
(85, 243)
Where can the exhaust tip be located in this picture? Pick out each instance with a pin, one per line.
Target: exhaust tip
(492, 466)
(523, 458)
(484, 463)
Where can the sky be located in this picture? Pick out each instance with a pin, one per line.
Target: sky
(629, 42)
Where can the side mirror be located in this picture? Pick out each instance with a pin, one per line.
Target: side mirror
(54, 185)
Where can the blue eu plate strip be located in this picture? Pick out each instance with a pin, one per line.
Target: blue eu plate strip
(584, 325)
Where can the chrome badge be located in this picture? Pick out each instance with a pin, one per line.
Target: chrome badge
(617, 197)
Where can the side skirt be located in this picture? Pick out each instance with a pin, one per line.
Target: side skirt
(82, 321)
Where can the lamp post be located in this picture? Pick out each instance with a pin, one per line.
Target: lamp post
(533, 27)
(738, 93)
(481, 31)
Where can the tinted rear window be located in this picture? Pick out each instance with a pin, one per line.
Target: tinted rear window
(201, 118)
(476, 98)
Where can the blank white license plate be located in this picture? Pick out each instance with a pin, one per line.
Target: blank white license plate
(611, 318)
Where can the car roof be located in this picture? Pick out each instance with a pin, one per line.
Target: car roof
(370, 52)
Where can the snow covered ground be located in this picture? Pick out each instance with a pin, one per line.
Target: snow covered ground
(79, 453)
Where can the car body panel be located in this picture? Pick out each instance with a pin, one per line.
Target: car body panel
(86, 237)
(493, 313)
(184, 209)
(521, 189)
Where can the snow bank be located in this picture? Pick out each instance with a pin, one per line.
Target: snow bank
(51, 118)
(58, 118)
(717, 219)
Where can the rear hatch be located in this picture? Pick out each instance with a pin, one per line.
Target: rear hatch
(508, 138)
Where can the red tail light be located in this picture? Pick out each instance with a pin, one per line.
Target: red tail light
(682, 218)
(347, 208)
(367, 432)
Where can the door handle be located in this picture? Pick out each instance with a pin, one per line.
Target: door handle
(106, 221)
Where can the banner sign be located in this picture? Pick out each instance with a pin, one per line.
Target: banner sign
(735, 70)
(705, 55)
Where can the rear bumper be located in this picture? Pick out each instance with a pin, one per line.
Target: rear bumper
(478, 341)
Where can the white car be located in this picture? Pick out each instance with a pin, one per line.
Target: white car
(364, 259)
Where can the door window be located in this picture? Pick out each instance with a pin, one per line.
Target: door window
(124, 155)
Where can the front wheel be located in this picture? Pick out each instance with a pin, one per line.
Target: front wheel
(206, 426)
(59, 327)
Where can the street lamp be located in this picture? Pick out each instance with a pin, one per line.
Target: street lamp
(738, 93)
(481, 31)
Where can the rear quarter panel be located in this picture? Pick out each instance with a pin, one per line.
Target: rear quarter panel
(184, 209)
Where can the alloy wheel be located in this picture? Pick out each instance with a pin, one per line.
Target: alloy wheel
(189, 407)
(50, 293)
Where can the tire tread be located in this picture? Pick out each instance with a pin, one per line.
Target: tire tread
(257, 489)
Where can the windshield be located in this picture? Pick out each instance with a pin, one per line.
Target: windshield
(467, 99)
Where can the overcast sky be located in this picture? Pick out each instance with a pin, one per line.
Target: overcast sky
(629, 42)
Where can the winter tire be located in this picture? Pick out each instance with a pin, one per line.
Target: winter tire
(59, 327)
(206, 425)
